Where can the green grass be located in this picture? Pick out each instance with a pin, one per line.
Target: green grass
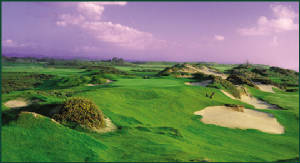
(41, 69)
(156, 123)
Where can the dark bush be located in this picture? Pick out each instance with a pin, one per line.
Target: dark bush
(238, 80)
(292, 90)
(81, 111)
(202, 76)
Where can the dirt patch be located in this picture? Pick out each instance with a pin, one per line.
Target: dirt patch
(266, 87)
(203, 83)
(258, 104)
(18, 103)
(248, 119)
(109, 127)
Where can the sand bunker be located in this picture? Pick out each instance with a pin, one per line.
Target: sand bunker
(248, 119)
(91, 85)
(107, 82)
(203, 83)
(258, 104)
(265, 87)
(16, 103)
(110, 127)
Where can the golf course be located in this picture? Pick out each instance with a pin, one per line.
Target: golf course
(147, 111)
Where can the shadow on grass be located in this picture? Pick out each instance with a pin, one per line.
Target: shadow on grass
(47, 110)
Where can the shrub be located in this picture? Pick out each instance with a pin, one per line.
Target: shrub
(237, 79)
(80, 111)
(201, 76)
(228, 86)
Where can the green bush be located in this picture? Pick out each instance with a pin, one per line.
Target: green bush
(81, 111)
(96, 79)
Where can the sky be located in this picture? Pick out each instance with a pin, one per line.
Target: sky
(223, 32)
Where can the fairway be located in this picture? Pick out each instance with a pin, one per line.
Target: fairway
(147, 83)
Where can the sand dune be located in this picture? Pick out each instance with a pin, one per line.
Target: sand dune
(208, 71)
(248, 119)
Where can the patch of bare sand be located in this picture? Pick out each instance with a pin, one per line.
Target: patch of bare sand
(36, 115)
(203, 83)
(107, 82)
(16, 103)
(207, 71)
(109, 127)
(265, 87)
(258, 104)
(248, 119)
(91, 85)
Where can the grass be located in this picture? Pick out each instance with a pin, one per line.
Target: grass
(155, 123)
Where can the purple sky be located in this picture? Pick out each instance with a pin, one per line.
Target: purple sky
(224, 32)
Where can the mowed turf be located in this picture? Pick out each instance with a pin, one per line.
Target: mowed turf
(155, 123)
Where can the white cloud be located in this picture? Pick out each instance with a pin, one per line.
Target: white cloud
(88, 19)
(66, 19)
(219, 38)
(283, 21)
(90, 9)
(11, 43)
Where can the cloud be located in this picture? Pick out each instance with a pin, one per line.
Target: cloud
(219, 38)
(90, 9)
(67, 19)
(11, 43)
(283, 21)
(88, 18)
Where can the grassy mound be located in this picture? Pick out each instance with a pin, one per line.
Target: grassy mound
(16, 81)
(81, 111)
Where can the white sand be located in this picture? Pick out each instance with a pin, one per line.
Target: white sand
(110, 127)
(249, 119)
(203, 83)
(266, 87)
(16, 103)
(258, 104)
